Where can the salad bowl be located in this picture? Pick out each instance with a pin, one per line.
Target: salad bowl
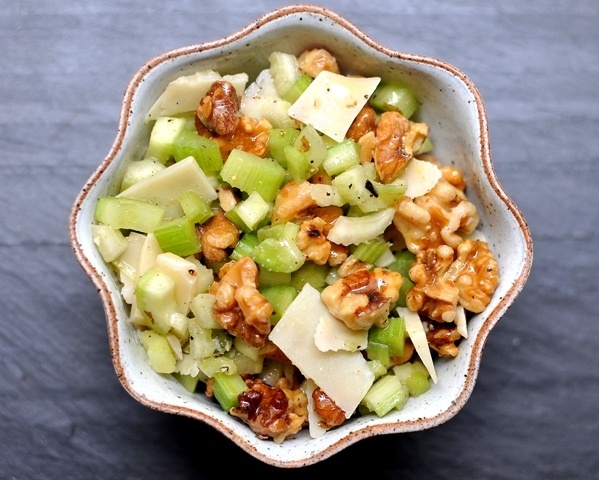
(449, 102)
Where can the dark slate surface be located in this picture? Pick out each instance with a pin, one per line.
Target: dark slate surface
(534, 412)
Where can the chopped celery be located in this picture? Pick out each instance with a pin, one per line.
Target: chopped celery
(393, 335)
(284, 70)
(159, 352)
(139, 170)
(385, 394)
(355, 230)
(204, 150)
(128, 213)
(244, 364)
(250, 213)
(250, 173)
(406, 286)
(403, 262)
(221, 364)
(163, 134)
(389, 193)
(310, 273)
(280, 231)
(202, 308)
(371, 250)
(311, 144)
(379, 352)
(426, 147)
(394, 96)
(267, 278)
(178, 236)
(155, 295)
(298, 165)
(110, 241)
(377, 368)
(189, 382)
(278, 255)
(356, 188)
(279, 297)
(298, 87)
(278, 139)
(245, 246)
(196, 209)
(340, 157)
(248, 350)
(418, 383)
(227, 389)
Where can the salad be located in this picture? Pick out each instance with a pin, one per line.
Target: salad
(290, 247)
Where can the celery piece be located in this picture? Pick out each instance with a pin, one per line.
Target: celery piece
(389, 193)
(196, 209)
(227, 389)
(311, 144)
(406, 286)
(284, 70)
(340, 157)
(189, 382)
(280, 231)
(403, 371)
(128, 213)
(278, 255)
(426, 147)
(298, 87)
(201, 344)
(379, 352)
(394, 96)
(249, 213)
(222, 341)
(163, 134)
(160, 355)
(279, 297)
(250, 173)
(278, 139)
(139, 170)
(178, 236)
(266, 278)
(310, 273)
(385, 394)
(244, 364)
(404, 260)
(355, 230)
(205, 150)
(418, 383)
(110, 241)
(245, 348)
(202, 308)
(205, 275)
(298, 165)
(245, 246)
(155, 295)
(371, 250)
(377, 368)
(210, 366)
(419, 368)
(355, 188)
(393, 334)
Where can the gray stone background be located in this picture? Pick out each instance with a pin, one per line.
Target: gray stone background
(534, 412)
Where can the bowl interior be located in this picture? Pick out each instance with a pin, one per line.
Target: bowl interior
(455, 113)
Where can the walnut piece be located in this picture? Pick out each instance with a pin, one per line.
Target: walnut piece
(239, 307)
(397, 140)
(330, 414)
(314, 61)
(219, 108)
(364, 123)
(277, 412)
(442, 338)
(312, 241)
(363, 298)
(216, 235)
(292, 199)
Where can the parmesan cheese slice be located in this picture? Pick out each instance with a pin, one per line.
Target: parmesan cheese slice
(314, 426)
(344, 376)
(418, 336)
(332, 335)
(332, 101)
(460, 321)
(420, 177)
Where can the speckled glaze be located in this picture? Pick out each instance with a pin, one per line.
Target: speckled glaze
(453, 108)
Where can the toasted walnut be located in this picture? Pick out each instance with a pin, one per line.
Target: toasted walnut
(330, 414)
(363, 298)
(292, 199)
(218, 110)
(442, 339)
(239, 307)
(443, 278)
(338, 255)
(364, 123)
(216, 235)
(351, 265)
(314, 61)
(366, 143)
(276, 412)
(436, 218)
(397, 139)
(312, 241)
(408, 352)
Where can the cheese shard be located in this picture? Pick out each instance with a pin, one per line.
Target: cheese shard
(332, 335)
(418, 336)
(420, 177)
(344, 376)
(460, 321)
(314, 427)
(332, 101)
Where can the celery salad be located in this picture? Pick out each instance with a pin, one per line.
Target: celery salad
(290, 247)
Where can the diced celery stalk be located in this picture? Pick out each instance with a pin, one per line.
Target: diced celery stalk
(278, 139)
(284, 70)
(355, 230)
(250, 173)
(389, 193)
(280, 231)
(404, 260)
(245, 246)
(298, 165)
(420, 368)
(278, 255)
(418, 383)
(227, 389)
(222, 341)
(204, 150)
(139, 170)
(155, 295)
(394, 96)
(426, 147)
(371, 250)
(244, 364)
(379, 352)
(201, 344)
(279, 297)
(266, 278)
(202, 308)
(128, 213)
(162, 136)
(245, 348)
(311, 273)
(298, 87)
(340, 157)
(250, 212)
(406, 286)
(110, 241)
(196, 209)
(211, 366)
(403, 371)
(160, 355)
(393, 334)
(356, 188)
(377, 368)
(178, 236)
(185, 275)
(189, 383)
(311, 144)
(385, 394)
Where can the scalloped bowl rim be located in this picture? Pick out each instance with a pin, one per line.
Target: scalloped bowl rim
(511, 237)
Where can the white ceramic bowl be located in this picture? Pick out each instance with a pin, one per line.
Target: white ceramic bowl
(453, 108)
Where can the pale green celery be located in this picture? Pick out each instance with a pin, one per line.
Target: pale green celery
(279, 297)
(298, 165)
(377, 368)
(370, 251)
(111, 242)
(196, 209)
(393, 335)
(355, 188)
(278, 139)
(250, 173)
(310, 273)
(418, 383)
(245, 246)
(394, 96)
(227, 389)
(267, 278)
(205, 151)
(201, 344)
(378, 352)
(155, 295)
(404, 259)
(311, 144)
(385, 394)
(244, 364)
(222, 341)
(403, 371)
(355, 230)
(389, 193)
(426, 147)
(178, 236)
(284, 70)
(340, 157)
(160, 355)
(128, 214)
(189, 382)
(280, 231)
(202, 308)
(414, 375)
(212, 366)
(298, 87)
(278, 255)
(249, 213)
(246, 349)
(162, 136)
(139, 170)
